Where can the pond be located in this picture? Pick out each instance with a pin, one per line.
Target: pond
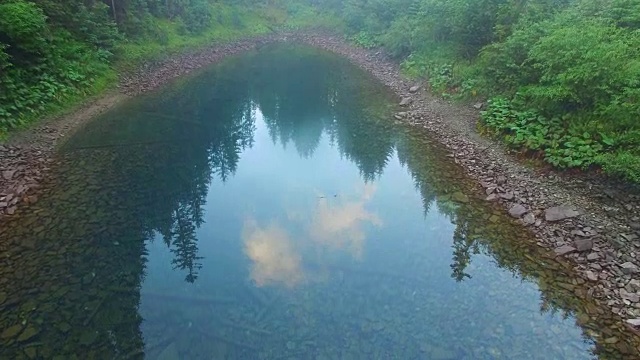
(268, 207)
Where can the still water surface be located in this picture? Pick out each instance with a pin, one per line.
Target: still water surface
(268, 208)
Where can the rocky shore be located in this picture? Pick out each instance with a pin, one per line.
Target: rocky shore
(590, 221)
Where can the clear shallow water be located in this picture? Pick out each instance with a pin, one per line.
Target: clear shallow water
(267, 208)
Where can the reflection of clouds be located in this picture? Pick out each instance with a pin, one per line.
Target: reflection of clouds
(274, 258)
(335, 223)
(338, 224)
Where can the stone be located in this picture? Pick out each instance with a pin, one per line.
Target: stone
(517, 211)
(611, 340)
(8, 175)
(478, 106)
(406, 101)
(28, 333)
(629, 268)
(460, 197)
(3, 297)
(634, 226)
(625, 295)
(583, 245)
(634, 322)
(11, 332)
(564, 249)
(592, 276)
(501, 180)
(492, 197)
(414, 89)
(529, 219)
(11, 210)
(31, 352)
(593, 256)
(558, 213)
(507, 196)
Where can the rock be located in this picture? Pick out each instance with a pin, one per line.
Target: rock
(634, 226)
(492, 197)
(11, 210)
(517, 211)
(634, 322)
(414, 89)
(611, 340)
(564, 249)
(507, 196)
(3, 297)
(460, 197)
(592, 276)
(31, 352)
(28, 333)
(625, 295)
(8, 175)
(88, 337)
(593, 256)
(583, 245)
(558, 213)
(529, 219)
(478, 106)
(501, 180)
(629, 268)
(11, 332)
(406, 101)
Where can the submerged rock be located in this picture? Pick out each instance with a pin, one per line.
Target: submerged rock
(460, 197)
(11, 331)
(406, 101)
(28, 333)
(564, 249)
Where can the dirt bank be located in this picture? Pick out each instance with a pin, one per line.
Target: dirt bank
(593, 223)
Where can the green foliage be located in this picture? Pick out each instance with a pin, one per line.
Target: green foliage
(561, 145)
(197, 17)
(566, 73)
(54, 52)
(364, 40)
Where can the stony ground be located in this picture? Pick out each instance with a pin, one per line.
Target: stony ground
(590, 220)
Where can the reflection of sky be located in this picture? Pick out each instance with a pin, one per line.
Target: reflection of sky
(286, 220)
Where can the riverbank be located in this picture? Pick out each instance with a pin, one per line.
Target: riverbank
(595, 226)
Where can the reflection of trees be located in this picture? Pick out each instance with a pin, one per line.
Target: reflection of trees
(304, 92)
(166, 154)
(500, 239)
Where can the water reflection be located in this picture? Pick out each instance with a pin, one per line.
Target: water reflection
(338, 224)
(274, 257)
(198, 183)
(335, 224)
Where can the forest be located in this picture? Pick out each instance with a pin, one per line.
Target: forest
(561, 77)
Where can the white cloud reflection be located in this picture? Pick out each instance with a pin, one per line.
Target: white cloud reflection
(336, 223)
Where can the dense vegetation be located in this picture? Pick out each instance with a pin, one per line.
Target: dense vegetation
(563, 76)
(54, 52)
